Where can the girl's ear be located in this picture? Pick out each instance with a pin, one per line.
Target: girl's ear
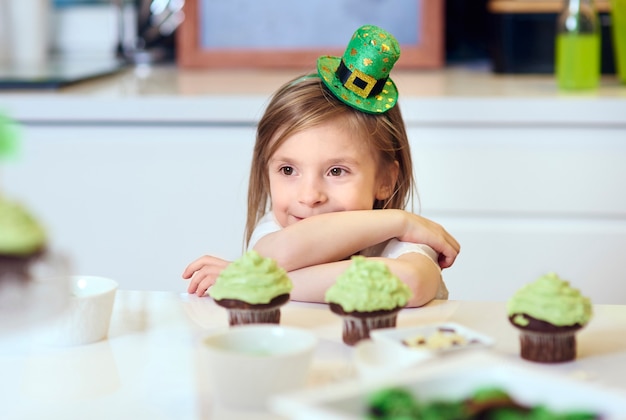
(388, 180)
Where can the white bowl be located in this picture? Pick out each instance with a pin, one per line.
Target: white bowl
(249, 363)
(88, 313)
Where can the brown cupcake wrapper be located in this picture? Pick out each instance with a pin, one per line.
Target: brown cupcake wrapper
(550, 347)
(543, 342)
(253, 316)
(17, 267)
(357, 328)
(242, 313)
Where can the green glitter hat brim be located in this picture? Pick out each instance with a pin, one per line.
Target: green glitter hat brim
(378, 104)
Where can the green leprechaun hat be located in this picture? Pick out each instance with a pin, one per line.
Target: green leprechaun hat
(361, 77)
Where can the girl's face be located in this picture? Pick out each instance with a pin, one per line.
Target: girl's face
(324, 169)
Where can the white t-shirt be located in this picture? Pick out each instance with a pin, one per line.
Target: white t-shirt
(392, 248)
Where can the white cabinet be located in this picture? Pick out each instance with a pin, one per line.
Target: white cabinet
(135, 189)
(136, 203)
(526, 200)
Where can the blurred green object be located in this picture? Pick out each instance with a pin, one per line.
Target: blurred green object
(618, 18)
(9, 137)
(577, 49)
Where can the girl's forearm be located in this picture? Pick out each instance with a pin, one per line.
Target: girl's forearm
(415, 270)
(330, 237)
(310, 283)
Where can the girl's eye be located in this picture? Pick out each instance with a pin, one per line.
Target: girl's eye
(336, 171)
(286, 170)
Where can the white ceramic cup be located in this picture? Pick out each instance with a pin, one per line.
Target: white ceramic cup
(250, 363)
(87, 316)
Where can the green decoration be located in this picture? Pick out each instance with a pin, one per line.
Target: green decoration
(9, 137)
(361, 77)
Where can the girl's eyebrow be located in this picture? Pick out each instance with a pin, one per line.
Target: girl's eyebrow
(343, 160)
(280, 159)
(348, 161)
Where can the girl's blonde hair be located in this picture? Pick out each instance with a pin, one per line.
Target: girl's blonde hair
(304, 103)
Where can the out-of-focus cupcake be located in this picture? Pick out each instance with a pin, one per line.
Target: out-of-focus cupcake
(252, 289)
(548, 313)
(22, 237)
(31, 287)
(367, 296)
(31, 284)
(22, 241)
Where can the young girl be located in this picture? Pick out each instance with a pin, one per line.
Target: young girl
(331, 174)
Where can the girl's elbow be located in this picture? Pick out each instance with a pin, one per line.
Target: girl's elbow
(422, 278)
(279, 254)
(419, 298)
(423, 289)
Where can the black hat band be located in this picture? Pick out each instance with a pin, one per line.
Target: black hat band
(358, 82)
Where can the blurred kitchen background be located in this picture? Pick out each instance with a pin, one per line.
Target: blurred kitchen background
(89, 27)
(79, 38)
(49, 43)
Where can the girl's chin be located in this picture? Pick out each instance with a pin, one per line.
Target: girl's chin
(287, 220)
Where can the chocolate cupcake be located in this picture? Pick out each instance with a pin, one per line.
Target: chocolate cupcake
(366, 296)
(22, 238)
(32, 283)
(22, 242)
(549, 313)
(33, 286)
(252, 289)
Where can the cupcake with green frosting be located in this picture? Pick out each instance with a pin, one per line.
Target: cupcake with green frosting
(549, 312)
(367, 296)
(22, 240)
(33, 286)
(252, 289)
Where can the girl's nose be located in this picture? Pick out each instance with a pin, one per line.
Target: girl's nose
(311, 193)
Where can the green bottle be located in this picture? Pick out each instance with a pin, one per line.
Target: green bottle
(577, 46)
(618, 26)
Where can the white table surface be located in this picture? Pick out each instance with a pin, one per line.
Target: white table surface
(151, 366)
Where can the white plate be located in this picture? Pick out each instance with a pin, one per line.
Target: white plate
(455, 378)
(374, 359)
(473, 339)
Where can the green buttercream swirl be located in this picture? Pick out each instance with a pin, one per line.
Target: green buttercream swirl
(550, 299)
(252, 279)
(366, 286)
(20, 233)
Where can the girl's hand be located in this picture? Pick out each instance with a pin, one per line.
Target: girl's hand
(418, 229)
(203, 272)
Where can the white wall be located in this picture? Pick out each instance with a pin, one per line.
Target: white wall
(523, 193)
(136, 203)
(524, 200)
